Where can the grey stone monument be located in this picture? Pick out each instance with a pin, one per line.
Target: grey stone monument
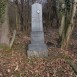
(37, 47)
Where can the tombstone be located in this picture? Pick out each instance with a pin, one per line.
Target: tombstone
(37, 47)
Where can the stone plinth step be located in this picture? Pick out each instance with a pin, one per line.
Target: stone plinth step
(37, 50)
(37, 47)
(42, 54)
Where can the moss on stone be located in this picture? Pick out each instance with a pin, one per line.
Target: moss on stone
(4, 47)
(2, 9)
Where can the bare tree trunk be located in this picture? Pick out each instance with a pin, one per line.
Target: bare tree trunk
(66, 30)
(5, 29)
(62, 25)
(20, 7)
(71, 26)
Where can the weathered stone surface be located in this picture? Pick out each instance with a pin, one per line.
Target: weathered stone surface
(37, 50)
(37, 47)
(36, 20)
(37, 37)
(41, 54)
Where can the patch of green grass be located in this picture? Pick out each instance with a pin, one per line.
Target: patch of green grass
(4, 47)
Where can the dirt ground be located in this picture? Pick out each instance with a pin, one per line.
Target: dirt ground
(15, 63)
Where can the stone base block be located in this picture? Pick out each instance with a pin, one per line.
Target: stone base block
(37, 50)
(41, 54)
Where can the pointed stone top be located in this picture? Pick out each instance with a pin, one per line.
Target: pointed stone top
(36, 4)
(75, 0)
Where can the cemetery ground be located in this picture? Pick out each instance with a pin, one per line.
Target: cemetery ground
(15, 63)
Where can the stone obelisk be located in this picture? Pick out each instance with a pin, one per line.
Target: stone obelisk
(37, 47)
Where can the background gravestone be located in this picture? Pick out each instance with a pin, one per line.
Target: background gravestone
(37, 47)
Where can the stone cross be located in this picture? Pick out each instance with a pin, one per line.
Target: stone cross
(37, 47)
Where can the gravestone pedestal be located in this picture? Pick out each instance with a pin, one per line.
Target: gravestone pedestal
(37, 50)
(37, 47)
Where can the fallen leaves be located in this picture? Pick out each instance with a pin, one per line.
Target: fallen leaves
(18, 65)
(36, 67)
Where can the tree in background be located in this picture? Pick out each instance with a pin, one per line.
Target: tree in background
(67, 23)
(4, 39)
(23, 9)
(2, 11)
